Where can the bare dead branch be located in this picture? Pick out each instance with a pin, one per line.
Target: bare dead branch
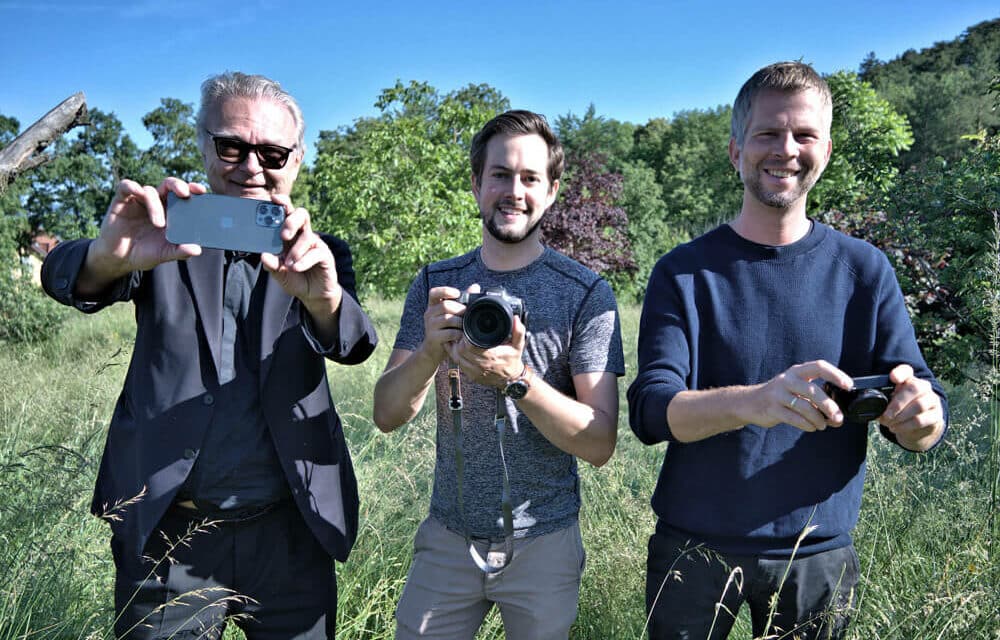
(25, 152)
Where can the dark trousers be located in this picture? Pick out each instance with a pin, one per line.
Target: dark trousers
(265, 573)
(693, 593)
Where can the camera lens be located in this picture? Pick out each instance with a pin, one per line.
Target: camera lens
(487, 322)
(867, 406)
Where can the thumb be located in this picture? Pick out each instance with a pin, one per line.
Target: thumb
(270, 262)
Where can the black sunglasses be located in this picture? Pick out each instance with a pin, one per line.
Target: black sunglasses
(271, 156)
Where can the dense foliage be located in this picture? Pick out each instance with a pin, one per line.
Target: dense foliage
(942, 90)
(397, 186)
(586, 222)
(904, 174)
(940, 227)
(868, 135)
(26, 314)
(67, 196)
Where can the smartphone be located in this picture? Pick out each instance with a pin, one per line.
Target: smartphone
(225, 222)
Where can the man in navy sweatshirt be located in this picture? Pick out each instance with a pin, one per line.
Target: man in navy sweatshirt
(740, 328)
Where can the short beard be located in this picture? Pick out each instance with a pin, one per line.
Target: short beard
(510, 238)
(782, 201)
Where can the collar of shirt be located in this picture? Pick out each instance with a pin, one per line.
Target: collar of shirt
(237, 256)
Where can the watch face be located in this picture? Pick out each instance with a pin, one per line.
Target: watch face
(516, 390)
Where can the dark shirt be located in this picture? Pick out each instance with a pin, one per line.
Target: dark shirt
(238, 466)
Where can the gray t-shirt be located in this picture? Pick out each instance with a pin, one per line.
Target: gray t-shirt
(573, 328)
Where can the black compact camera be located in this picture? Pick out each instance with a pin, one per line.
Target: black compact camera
(489, 316)
(865, 401)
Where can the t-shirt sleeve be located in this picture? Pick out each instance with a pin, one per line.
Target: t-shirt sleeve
(597, 336)
(411, 323)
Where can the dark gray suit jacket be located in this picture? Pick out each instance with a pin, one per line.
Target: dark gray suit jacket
(169, 393)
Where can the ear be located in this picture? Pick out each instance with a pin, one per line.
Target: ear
(550, 198)
(734, 154)
(475, 185)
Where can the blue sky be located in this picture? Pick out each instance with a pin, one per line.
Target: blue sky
(632, 60)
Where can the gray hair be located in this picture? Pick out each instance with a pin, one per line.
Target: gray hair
(786, 77)
(234, 84)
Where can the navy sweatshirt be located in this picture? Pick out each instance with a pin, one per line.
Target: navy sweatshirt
(722, 311)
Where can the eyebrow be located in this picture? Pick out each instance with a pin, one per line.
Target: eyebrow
(503, 167)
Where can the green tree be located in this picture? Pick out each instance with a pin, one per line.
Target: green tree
(69, 194)
(175, 142)
(868, 135)
(648, 233)
(26, 314)
(593, 134)
(10, 203)
(700, 186)
(940, 90)
(943, 236)
(397, 186)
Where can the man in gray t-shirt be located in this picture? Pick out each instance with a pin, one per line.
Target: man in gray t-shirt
(503, 523)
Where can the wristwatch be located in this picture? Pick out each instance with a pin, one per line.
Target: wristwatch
(518, 387)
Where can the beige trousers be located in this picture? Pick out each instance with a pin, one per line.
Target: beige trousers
(447, 596)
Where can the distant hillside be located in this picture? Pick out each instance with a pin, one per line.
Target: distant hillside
(942, 90)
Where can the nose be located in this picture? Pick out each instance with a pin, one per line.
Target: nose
(251, 164)
(518, 188)
(785, 145)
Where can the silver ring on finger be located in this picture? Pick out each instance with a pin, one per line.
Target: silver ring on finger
(791, 405)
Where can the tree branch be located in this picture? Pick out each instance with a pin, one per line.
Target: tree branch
(25, 152)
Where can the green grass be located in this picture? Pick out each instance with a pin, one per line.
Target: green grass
(925, 533)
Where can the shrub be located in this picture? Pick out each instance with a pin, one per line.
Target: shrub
(26, 313)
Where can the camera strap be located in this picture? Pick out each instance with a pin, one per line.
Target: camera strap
(500, 423)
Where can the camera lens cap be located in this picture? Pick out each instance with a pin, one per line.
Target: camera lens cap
(868, 406)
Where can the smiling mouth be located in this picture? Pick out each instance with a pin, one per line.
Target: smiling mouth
(780, 173)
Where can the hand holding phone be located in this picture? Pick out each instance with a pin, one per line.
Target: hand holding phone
(225, 222)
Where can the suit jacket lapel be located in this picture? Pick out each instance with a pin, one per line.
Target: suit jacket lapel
(206, 287)
(275, 312)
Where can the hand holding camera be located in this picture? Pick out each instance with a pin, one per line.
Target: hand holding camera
(866, 401)
(904, 404)
(914, 415)
(493, 330)
(489, 316)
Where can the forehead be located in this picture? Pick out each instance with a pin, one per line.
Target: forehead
(255, 120)
(800, 108)
(521, 152)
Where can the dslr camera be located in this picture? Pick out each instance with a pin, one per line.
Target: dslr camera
(489, 316)
(865, 401)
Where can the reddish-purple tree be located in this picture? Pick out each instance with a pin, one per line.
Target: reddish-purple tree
(585, 223)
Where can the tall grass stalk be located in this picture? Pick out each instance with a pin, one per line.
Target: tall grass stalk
(993, 397)
(926, 535)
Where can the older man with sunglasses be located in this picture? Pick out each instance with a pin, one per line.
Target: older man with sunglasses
(225, 478)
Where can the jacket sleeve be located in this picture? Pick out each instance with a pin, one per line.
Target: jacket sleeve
(356, 339)
(61, 270)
